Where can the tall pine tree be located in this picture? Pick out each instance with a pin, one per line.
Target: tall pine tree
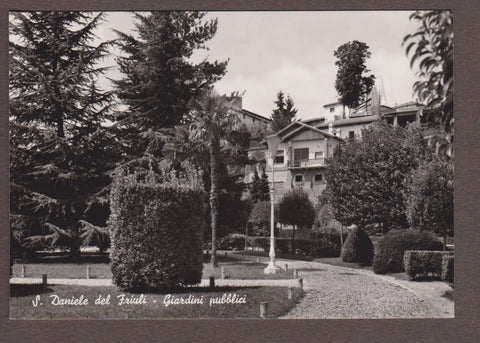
(60, 151)
(160, 80)
(285, 112)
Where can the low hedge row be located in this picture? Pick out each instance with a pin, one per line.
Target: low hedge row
(421, 263)
(391, 248)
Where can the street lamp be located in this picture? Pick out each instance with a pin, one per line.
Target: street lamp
(273, 141)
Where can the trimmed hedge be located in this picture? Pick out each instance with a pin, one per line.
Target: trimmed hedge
(358, 247)
(448, 268)
(324, 247)
(391, 248)
(422, 263)
(156, 232)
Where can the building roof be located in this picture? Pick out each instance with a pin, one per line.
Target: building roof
(333, 103)
(254, 115)
(351, 121)
(285, 132)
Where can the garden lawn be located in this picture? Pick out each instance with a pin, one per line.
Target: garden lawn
(22, 297)
(237, 269)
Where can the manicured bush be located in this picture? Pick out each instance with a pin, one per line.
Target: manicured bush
(423, 263)
(156, 227)
(358, 247)
(391, 248)
(448, 268)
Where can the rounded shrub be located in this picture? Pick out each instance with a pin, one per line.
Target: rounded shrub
(156, 232)
(391, 248)
(358, 247)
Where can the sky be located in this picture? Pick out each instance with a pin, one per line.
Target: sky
(293, 52)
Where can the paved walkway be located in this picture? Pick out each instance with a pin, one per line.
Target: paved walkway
(340, 292)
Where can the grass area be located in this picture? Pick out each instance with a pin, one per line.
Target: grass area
(278, 255)
(235, 268)
(152, 306)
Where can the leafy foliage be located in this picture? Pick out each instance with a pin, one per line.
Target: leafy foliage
(431, 49)
(285, 112)
(389, 255)
(259, 188)
(295, 208)
(61, 154)
(260, 218)
(351, 83)
(358, 247)
(429, 198)
(156, 227)
(365, 178)
(213, 119)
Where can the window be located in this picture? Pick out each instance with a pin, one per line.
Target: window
(279, 159)
(244, 116)
(298, 178)
(318, 178)
(332, 109)
(351, 134)
(254, 120)
(318, 155)
(300, 154)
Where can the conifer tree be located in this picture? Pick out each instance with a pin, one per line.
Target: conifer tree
(160, 80)
(285, 112)
(60, 151)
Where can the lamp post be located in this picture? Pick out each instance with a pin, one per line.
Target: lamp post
(273, 141)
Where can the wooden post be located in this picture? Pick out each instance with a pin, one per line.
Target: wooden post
(212, 281)
(300, 283)
(290, 293)
(295, 273)
(263, 309)
(88, 272)
(286, 266)
(24, 271)
(44, 279)
(223, 273)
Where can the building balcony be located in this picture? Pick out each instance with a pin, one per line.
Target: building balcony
(308, 163)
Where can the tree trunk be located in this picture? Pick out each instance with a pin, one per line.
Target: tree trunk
(214, 162)
(293, 239)
(74, 252)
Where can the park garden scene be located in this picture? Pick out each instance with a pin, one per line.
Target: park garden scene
(156, 198)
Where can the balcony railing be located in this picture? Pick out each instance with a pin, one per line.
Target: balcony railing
(316, 162)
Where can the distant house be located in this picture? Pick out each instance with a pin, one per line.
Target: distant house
(250, 119)
(300, 160)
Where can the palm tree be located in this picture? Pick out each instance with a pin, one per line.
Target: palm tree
(212, 121)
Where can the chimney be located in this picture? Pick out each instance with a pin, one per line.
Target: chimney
(236, 102)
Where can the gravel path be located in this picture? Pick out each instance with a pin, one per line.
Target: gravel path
(337, 292)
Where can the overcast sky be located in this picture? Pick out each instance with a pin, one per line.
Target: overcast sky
(293, 52)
